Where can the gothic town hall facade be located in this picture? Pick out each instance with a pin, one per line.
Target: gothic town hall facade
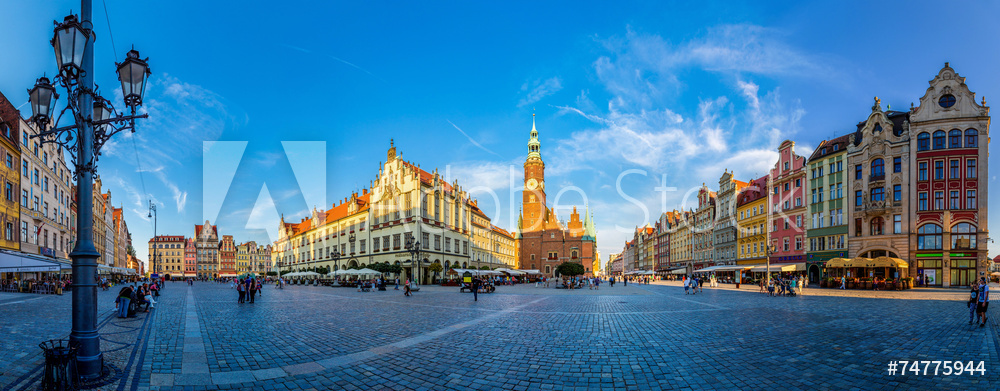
(543, 241)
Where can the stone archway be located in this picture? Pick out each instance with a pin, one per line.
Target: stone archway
(814, 273)
(352, 264)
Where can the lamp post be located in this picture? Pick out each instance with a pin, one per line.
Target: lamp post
(336, 265)
(154, 266)
(767, 269)
(95, 122)
(413, 247)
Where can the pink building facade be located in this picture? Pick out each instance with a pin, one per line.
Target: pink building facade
(788, 206)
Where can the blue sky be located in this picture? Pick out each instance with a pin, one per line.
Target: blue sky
(302, 98)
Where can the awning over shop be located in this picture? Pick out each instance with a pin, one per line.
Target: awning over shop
(889, 262)
(774, 268)
(867, 262)
(708, 269)
(679, 271)
(730, 268)
(15, 262)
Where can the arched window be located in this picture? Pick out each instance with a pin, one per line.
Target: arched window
(939, 140)
(447, 265)
(929, 237)
(878, 168)
(963, 236)
(877, 129)
(971, 138)
(955, 138)
(923, 141)
(877, 225)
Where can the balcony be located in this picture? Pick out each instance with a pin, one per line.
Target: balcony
(875, 208)
(876, 177)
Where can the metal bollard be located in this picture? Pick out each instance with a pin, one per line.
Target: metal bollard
(60, 365)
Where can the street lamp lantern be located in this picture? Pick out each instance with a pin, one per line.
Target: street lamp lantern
(42, 97)
(133, 73)
(70, 44)
(102, 111)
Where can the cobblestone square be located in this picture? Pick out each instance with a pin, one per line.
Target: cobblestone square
(520, 338)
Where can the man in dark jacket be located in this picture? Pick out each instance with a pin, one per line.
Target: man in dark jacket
(476, 283)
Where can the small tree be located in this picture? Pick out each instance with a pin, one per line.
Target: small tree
(569, 269)
(435, 268)
(395, 269)
(484, 268)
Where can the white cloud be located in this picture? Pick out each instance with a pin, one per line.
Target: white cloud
(539, 89)
(483, 175)
(652, 123)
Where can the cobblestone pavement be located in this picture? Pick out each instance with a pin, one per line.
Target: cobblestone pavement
(522, 337)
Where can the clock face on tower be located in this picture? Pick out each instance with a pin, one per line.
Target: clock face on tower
(532, 184)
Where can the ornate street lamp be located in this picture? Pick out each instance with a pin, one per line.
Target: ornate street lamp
(155, 266)
(133, 73)
(95, 121)
(336, 265)
(413, 247)
(71, 42)
(42, 97)
(767, 269)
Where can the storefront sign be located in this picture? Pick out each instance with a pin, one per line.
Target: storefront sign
(47, 251)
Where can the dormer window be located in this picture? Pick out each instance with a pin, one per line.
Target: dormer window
(836, 147)
(878, 128)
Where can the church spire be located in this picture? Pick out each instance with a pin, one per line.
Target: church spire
(534, 146)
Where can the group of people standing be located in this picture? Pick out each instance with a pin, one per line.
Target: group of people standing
(979, 301)
(778, 286)
(693, 283)
(247, 288)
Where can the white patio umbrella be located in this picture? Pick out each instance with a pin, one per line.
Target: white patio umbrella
(367, 271)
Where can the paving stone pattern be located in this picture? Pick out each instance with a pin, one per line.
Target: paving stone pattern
(522, 338)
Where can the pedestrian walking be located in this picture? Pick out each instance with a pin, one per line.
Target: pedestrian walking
(984, 300)
(241, 289)
(687, 285)
(476, 283)
(973, 303)
(397, 283)
(251, 290)
(406, 288)
(843, 282)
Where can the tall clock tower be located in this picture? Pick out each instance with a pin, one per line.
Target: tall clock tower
(533, 195)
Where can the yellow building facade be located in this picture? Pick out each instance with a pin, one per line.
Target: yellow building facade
(10, 174)
(751, 223)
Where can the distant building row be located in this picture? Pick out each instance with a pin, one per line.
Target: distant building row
(903, 184)
(205, 255)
